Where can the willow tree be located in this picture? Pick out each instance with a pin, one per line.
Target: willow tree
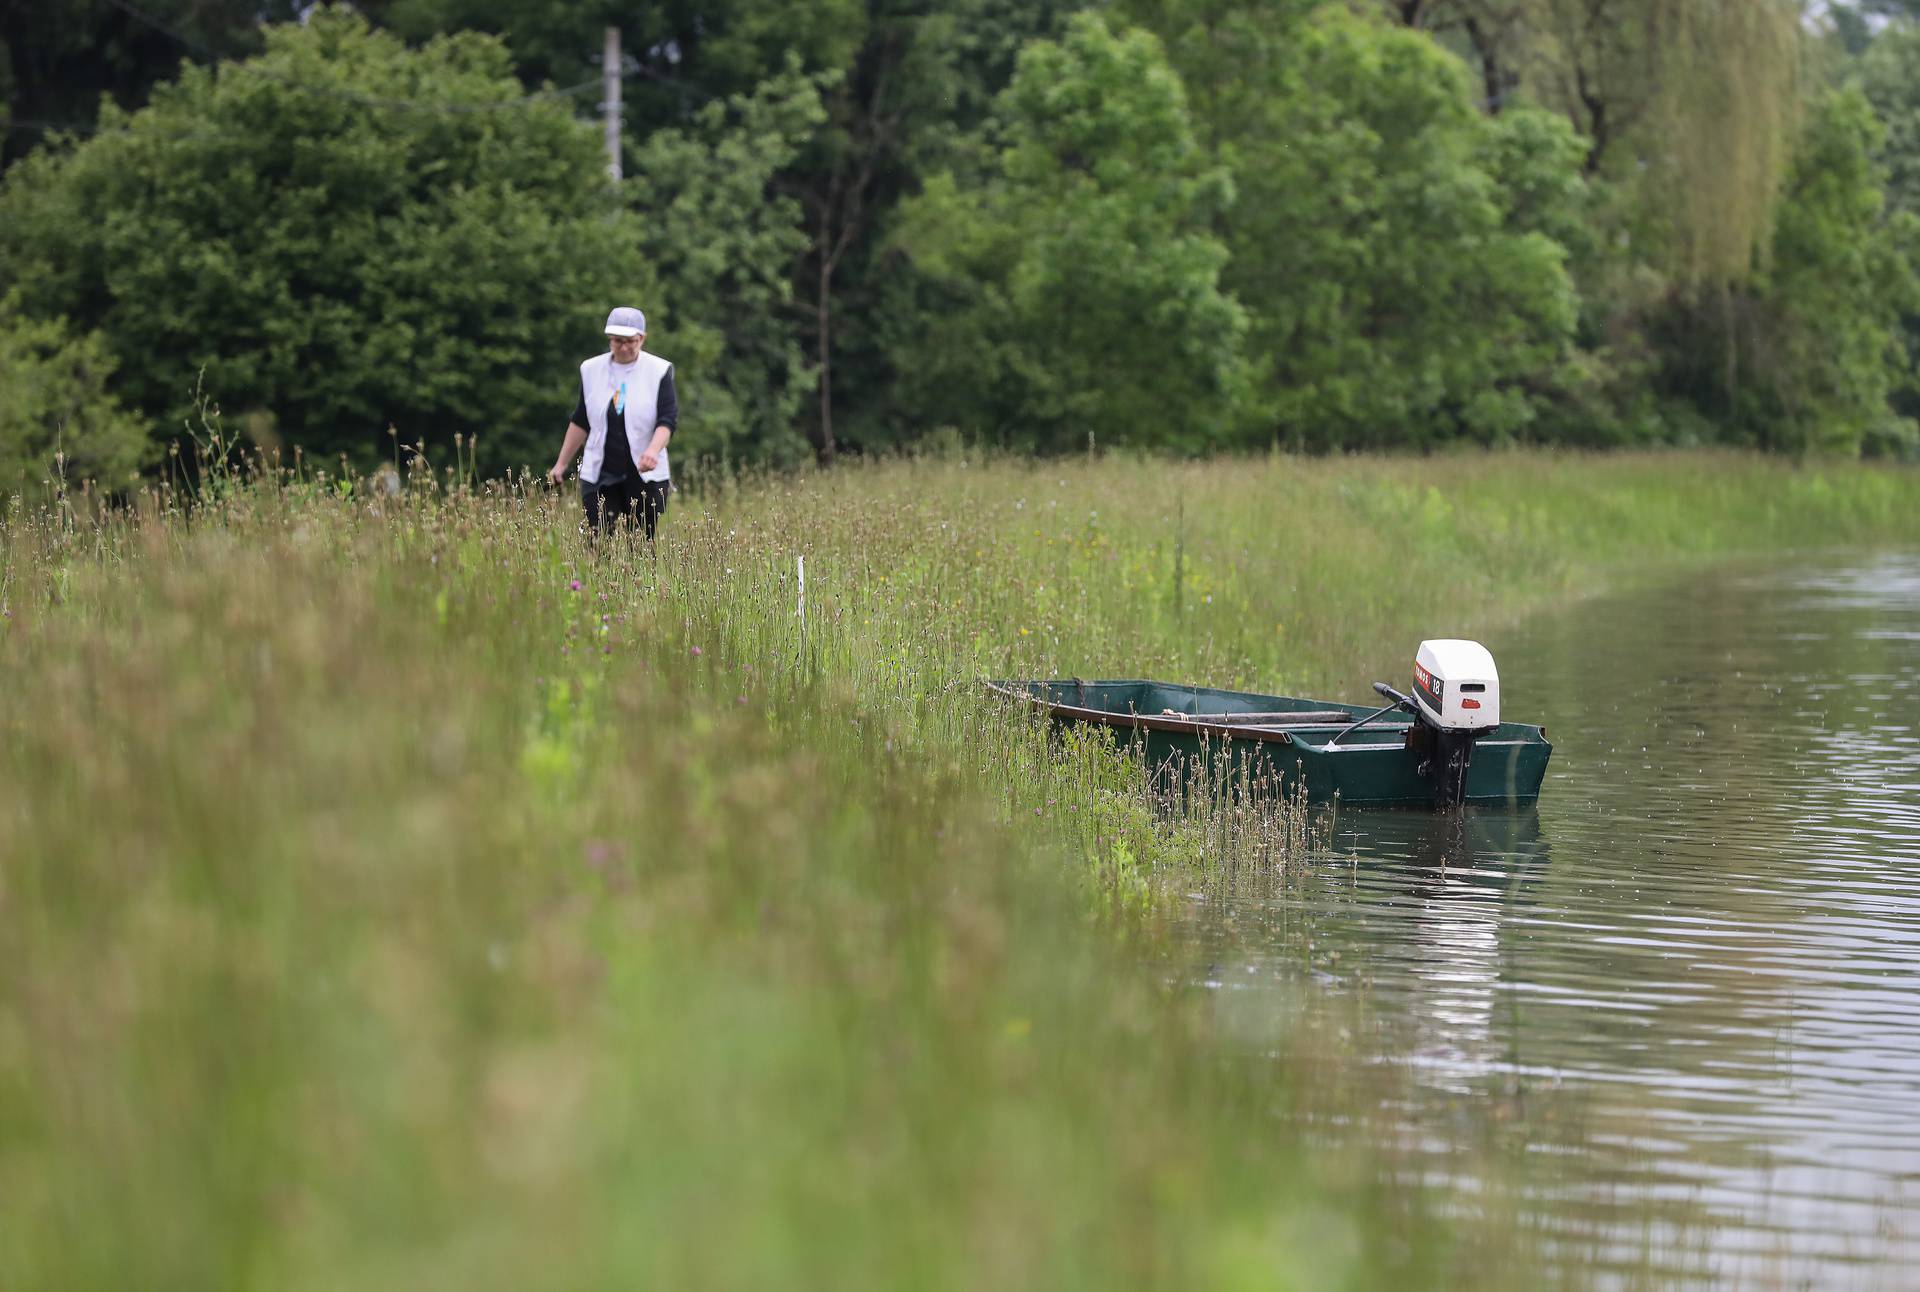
(1688, 105)
(1692, 103)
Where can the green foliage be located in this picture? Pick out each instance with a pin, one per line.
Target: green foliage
(1395, 249)
(856, 224)
(1077, 286)
(1843, 274)
(1806, 357)
(58, 58)
(1712, 150)
(1890, 78)
(692, 51)
(331, 255)
(911, 103)
(1858, 25)
(57, 421)
(721, 243)
(1688, 106)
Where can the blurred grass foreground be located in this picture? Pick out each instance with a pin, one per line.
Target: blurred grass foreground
(396, 892)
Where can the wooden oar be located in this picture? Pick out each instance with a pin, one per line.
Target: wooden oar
(1289, 718)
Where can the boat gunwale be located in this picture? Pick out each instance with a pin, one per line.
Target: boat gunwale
(1270, 733)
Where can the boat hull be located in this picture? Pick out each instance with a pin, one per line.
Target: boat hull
(1286, 745)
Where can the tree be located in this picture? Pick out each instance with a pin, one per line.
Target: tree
(1842, 274)
(1890, 78)
(59, 57)
(1396, 249)
(723, 245)
(342, 234)
(57, 420)
(1819, 347)
(682, 54)
(918, 89)
(1859, 23)
(1074, 288)
(1493, 35)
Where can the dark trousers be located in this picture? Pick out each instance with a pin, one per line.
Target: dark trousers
(627, 504)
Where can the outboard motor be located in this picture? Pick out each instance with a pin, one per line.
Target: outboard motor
(1455, 701)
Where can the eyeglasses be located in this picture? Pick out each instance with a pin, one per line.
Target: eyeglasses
(624, 340)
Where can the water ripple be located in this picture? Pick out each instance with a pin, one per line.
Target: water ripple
(1706, 940)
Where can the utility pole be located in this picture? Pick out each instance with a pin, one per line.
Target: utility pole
(610, 106)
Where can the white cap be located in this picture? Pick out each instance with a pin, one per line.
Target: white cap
(626, 321)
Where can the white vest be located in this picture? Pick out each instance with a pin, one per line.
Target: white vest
(643, 396)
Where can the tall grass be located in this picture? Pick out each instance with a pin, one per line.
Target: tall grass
(397, 891)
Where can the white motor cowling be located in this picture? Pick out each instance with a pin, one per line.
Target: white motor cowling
(1456, 685)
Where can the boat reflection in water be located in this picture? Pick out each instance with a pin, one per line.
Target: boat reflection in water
(1438, 890)
(1430, 895)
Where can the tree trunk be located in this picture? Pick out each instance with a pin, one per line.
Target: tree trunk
(1491, 78)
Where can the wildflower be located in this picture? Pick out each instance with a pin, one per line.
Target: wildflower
(574, 586)
(696, 652)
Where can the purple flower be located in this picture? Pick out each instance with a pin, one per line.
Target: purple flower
(574, 586)
(696, 651)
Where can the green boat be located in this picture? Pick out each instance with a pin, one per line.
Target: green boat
(1402, 755)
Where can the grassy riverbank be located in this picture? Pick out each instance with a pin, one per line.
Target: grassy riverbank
(395, 893)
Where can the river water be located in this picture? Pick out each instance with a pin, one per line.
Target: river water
(1687, 986)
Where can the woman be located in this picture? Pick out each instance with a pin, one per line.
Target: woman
(627, 412)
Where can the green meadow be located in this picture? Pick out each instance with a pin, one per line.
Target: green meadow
(397, 892)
